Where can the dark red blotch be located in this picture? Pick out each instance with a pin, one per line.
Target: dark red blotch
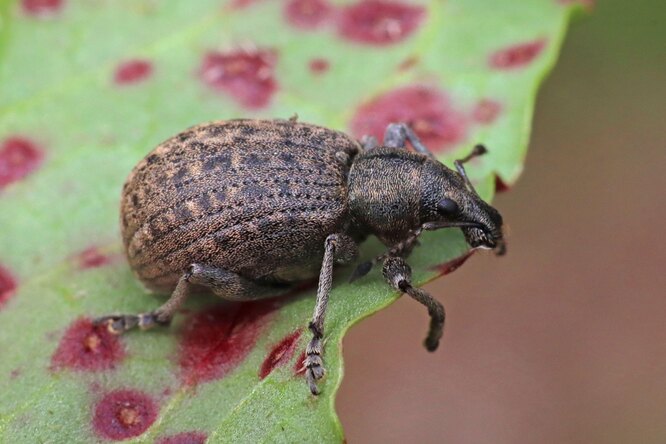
(124, 414)
(453, 264)
(132, 71)
(248, 76)
(216, 340)
(299, 366)
(319, 65)
(18, 158)
(280, 354)
(486, 111)
(500, 185)
(427, 110)
(41, 7)
(86, 347)
(307, 14)
(92, 257)
(184, 438)
(7, 286)
(516, 56)
(379, 22)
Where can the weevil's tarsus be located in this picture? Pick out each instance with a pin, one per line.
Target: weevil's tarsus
(337, 247)
(398, 274)
(398, 133)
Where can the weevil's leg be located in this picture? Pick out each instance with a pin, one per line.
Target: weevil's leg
(221, 282)
(399, 276)
(337, 248)
(397, 133)
(369, 142)
(401, 249)
(478, 150)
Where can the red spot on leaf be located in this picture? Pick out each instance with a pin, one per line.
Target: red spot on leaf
(319, 66)
(307, 14)
(427, 110)
(91, 257)
(41, 8)
(86, 347)
(15, 373)
(124, 414)
(246, 75)
(280, 354)
(132, 71)
(18, 158)
(379, 22)
(486, 111)
(299, 366)
(7, 286)
(240, 4)
(500, 185)
(453, 264)
(184, 438)
(516, 56)
(587, 4)
(217, 340)
(408, 63)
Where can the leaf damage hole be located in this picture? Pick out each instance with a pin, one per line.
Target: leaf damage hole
(41, 8)
(246, 75)
(19, 157)
(184, 438)
(85, 347)
(428, 111)
(124, 414)
(516, 56)
(307, 14)
(453, 264)
(379, 22)
(215, 341)
(7, 286)
(132, 71)
(280, 354)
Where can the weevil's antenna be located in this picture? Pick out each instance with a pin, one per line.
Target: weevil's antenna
(478, 150)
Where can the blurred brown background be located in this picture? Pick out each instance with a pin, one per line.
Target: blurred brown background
(564, 339)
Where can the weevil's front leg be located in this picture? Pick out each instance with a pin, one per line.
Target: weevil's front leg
(399, 276)
(340, 248)
(398, 133)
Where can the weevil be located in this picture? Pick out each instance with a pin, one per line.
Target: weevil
(247, 208)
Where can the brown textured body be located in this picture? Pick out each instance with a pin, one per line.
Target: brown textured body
(257, 198)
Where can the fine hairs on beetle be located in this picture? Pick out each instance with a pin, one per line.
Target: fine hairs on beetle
(246, 209)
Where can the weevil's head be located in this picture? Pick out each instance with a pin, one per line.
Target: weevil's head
(449, 199)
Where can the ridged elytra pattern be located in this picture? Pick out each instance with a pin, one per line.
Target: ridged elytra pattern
(255, 197)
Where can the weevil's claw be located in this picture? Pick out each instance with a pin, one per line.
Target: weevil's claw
(362, 269)
(117, 325)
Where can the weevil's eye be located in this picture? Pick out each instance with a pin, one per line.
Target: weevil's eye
(448, 207)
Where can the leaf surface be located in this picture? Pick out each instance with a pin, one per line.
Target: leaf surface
(88, 88)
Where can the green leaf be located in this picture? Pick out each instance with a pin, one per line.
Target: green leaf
(75, 117)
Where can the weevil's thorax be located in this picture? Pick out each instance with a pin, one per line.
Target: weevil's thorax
(393, 191)
(385, 193)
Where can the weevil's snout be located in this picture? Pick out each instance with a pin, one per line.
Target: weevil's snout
(489, 234)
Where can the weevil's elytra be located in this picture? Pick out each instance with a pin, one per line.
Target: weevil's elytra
(247, 208)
